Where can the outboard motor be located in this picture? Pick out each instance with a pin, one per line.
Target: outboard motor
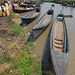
(50, 12)
(37, 9)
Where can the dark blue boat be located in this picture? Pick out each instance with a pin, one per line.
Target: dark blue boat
(30, 17)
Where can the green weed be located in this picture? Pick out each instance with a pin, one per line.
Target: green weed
(30, 44)
(17, 29)
(5, 60)
(28, 65)
(14, 15)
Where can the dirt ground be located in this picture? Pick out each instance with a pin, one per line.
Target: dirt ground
(7, 39)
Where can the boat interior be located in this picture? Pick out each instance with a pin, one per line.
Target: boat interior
(43, 21)
(59, 34)
(46, 17)
(32, 14)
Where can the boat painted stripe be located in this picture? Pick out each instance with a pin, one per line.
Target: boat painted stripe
(65, 40)
(53, 37)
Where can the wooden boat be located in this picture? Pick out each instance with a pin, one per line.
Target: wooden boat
(59, 2)
(22, 4)
(29, 17)
(68, 5)
(30, 5)
(22, 10)
(42, 24)
(59, 46)
(64, 4)
(27, 5)
(31, 2)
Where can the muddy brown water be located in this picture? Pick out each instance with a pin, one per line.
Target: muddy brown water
(42, 42)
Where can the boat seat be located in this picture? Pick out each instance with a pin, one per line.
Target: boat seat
(58, 45)
(59, 36)
(58, 42)
(58, 49)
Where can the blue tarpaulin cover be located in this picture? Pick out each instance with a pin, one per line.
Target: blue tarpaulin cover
(59, 19)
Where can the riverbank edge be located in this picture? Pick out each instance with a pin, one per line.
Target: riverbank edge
(18, 56)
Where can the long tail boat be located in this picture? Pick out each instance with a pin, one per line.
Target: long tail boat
(59, 46)
(22, 10)
(42, 24)
(30, 17)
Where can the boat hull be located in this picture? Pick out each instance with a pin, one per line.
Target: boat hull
(59, 59)
(30, 5)
(37, 32)
(21, 11)
(30, 2)
(69, 5)
(23, 5)
(26, 20)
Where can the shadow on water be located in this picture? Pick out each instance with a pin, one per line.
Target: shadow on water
(46, 64)
(44, 52)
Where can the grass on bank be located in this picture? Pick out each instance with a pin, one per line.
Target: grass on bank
(5, 60)
(17, 29)
(13, 15)
(24, 62)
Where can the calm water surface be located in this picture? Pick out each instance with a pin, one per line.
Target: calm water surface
(42, 43)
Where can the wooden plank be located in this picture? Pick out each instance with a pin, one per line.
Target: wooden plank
(58, 45)
(59, 42)
(58, 49)
(59, 31)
